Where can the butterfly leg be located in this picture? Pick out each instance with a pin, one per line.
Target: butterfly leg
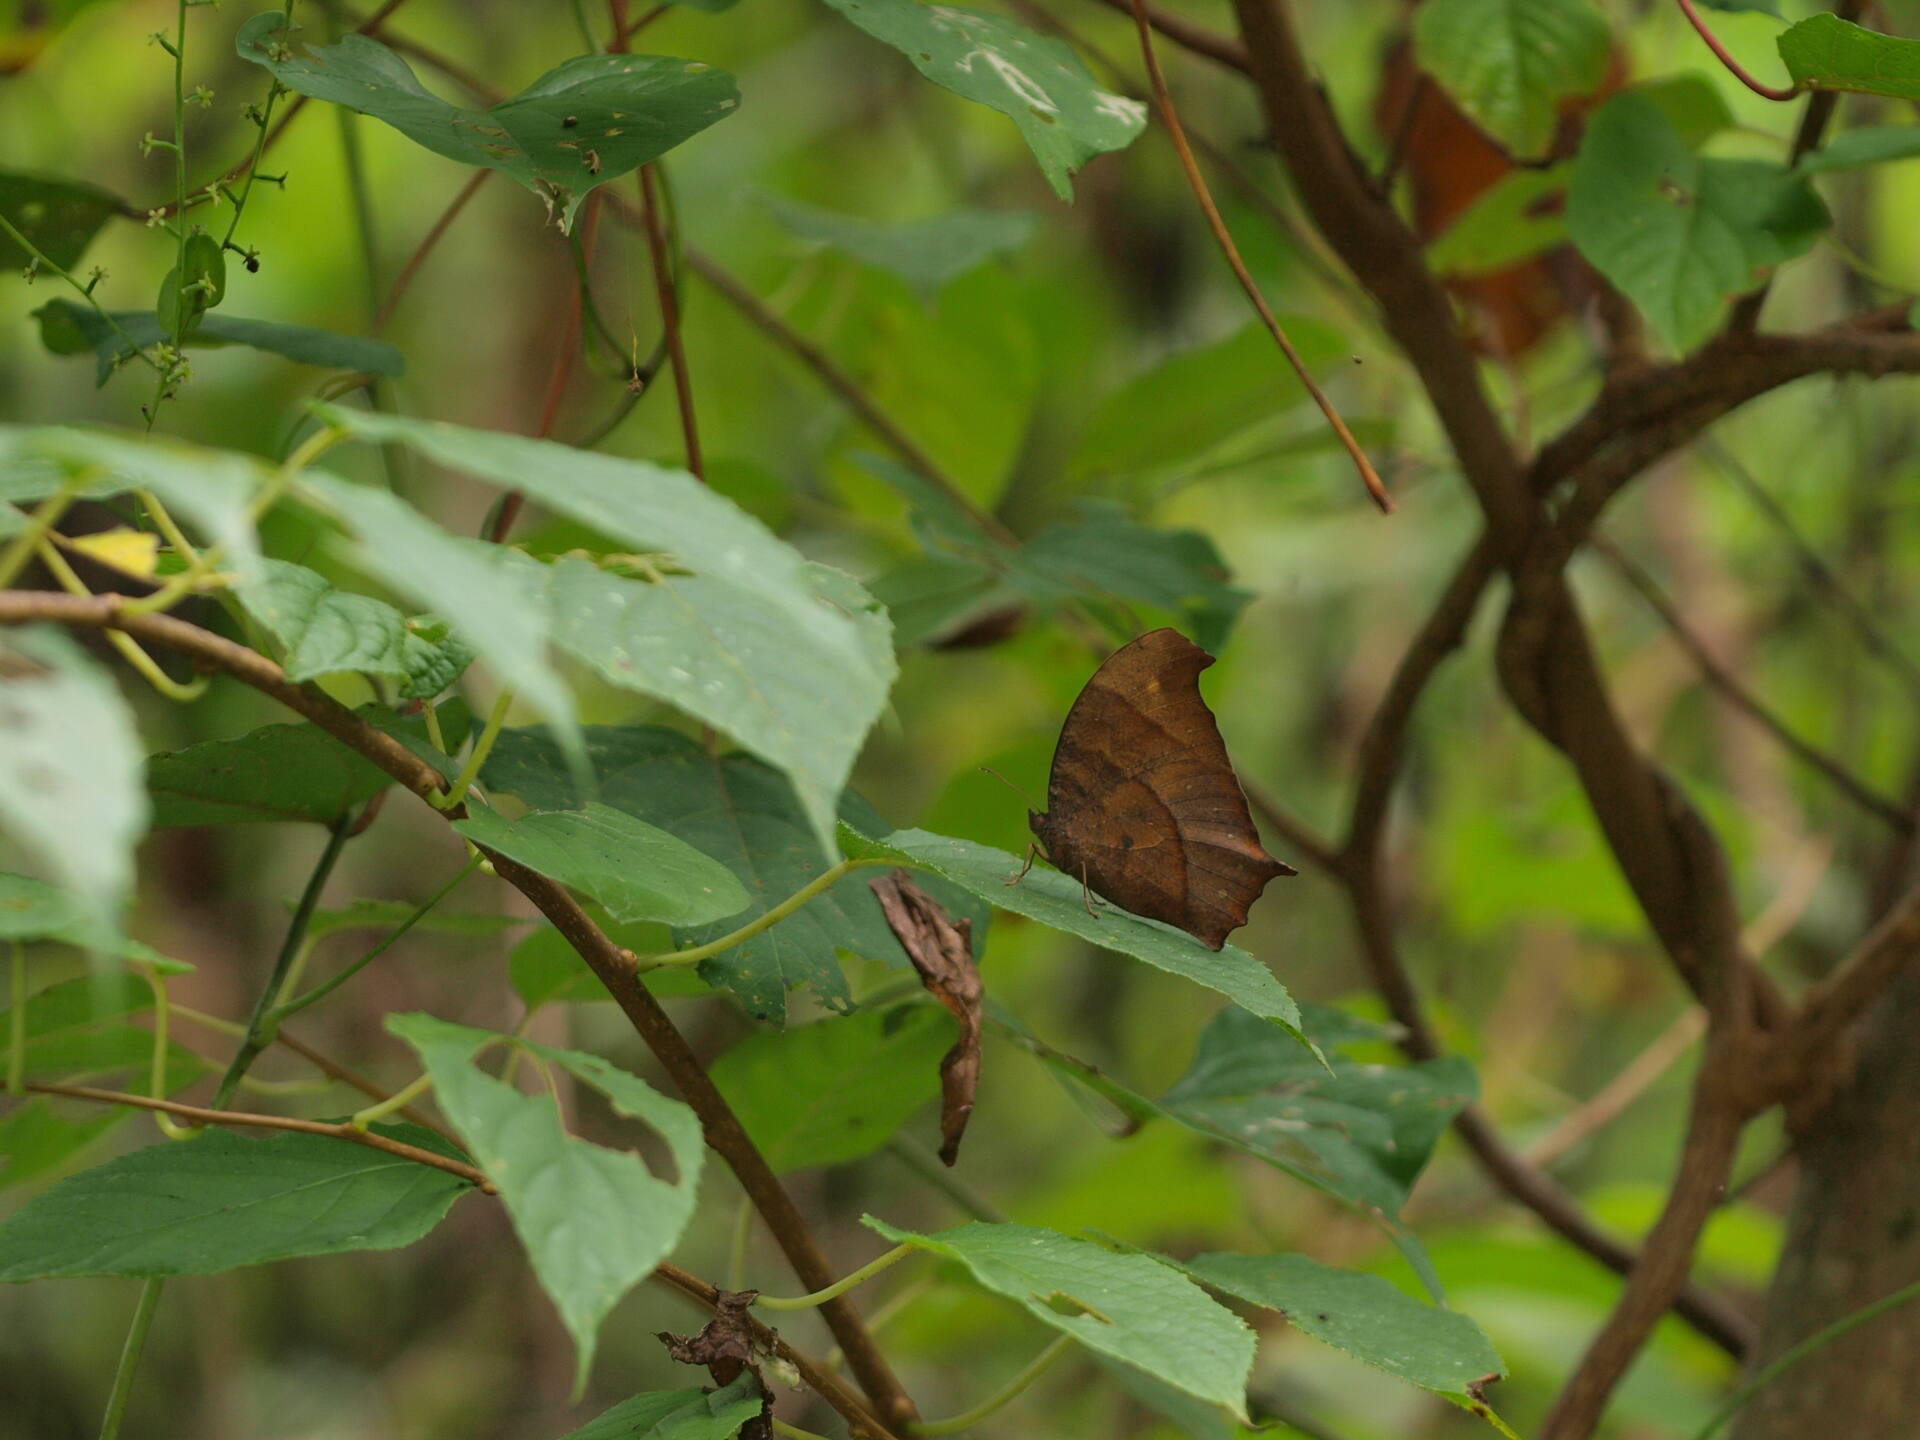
(1086, 894)
(1032, 850)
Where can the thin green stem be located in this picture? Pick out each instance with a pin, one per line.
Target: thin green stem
(43, 262)
(482, 748)
(130, 1357)
(259, 1028)
(839, 1287)
(693, 955)
(181, 311)
(1819, 1340)
(320, 992)
(143, 664)
(399, 1100)
(1006, 1393)
(274, 91)
(157, 1071)
(359, 194)
(14, 558)
(17, 1018)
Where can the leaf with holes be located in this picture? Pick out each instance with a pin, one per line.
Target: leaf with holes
(1677, 232)
(1131, 1307)
(590, 120)
(1035, 81)
(595, 1221)
(1509, 63)
(835, 1090)
(221, 1200)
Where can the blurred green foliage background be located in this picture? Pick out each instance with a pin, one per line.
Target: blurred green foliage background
(1023, 376)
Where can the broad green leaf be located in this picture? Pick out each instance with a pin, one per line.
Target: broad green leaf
(1517, 217)
(218, 1201)
(1870, 145)
(1060, 901)
(70, 784)
(132, 330)
(327, 632)
(1105, 555)
(835, 1090)
(931, 596)
(1509, 63)
(34, 910)
(590, 120)
(926, 254)
(1035, 81)
(278, 772)
(58, 216)
(1824, 52)
(595, 1221)
(496, 608)
(744, 814)
(1131, 1307)
(1693, 102)
(40, 1134)
(211, 489)
(1677, 233)
(1369, 1318)
(1194, 399)
(636, 870)
(731, 624)
(1363, 1131)
(678, 1414)
(82, 1051)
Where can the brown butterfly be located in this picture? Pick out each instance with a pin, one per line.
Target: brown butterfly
(1143, 805)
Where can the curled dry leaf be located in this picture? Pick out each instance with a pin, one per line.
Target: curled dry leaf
(942, 951)
(726, 1347)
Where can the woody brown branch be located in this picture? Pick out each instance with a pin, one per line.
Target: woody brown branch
(613, 966)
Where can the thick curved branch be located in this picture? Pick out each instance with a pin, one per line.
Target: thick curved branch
(1212, 45)
(609, 962)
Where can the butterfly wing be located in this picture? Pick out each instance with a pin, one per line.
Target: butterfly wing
(1142, 801)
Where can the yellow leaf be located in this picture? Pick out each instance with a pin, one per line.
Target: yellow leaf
(132, 552)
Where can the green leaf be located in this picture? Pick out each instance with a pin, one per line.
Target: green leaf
(639, 872)
(70, 783)
(328, 632)
(678, 1414)
(1510, 62)
(836, 1090)
(1035, 81)
(36, 1136)
(1677, 233)
(1824, 52)
(60, 319)
(1693, 102)
(745, 815)
(212, 489)
(494, 606)
(1514, 219)
(1363, 1131)
(732, 625)
(58, 216)
(545, 969)
(34, 910)
(595, 1221)
(1764, 7)
(1060, 901)
(1195, 399)
(278, 772)
(925, 254)
(1369, 1318)
(590, 120)
(1870, 145)
(1131, 1307)
(201, 1206)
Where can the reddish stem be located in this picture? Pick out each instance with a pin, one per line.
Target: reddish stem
(670, 318)
(1738, 71)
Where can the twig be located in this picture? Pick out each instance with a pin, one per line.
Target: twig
(1736, 694)
(1170, 116)
(1190, 36)
(338, 1130)
(1613, 1099)
(663, 287)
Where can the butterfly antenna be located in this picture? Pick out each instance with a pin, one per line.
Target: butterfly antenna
(1032, 804)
